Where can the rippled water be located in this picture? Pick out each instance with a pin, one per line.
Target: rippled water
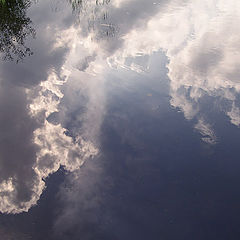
(119, 119)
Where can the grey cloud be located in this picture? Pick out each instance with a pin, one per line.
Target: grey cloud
(17, 150)
(206, 56)
(82, 108)
(84, 64)
(20, 179)
(132, 15)
(35, 68)
(111, 23)
(81, 198)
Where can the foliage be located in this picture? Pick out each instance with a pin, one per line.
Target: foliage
(15, 26)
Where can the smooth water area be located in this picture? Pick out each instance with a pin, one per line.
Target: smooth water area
(119, 119)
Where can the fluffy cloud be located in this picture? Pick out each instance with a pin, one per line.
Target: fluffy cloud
(31, 147)
(201, 41)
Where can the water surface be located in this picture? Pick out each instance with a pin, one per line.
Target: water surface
(119, 119)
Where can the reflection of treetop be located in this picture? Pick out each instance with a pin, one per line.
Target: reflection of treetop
(94, 15)
(14, 28)
(80, 4)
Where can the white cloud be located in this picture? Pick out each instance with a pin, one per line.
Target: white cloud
(206, 131)
(201, 41)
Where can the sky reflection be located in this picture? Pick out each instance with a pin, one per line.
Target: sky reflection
(104, 77)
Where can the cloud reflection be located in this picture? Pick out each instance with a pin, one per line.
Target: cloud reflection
(201, 42)
(31, 147)
(199, 38)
